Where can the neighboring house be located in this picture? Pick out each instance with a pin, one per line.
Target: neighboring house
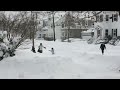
(41, 34)
(87, 34)
(80, 25)
(61, 30)
(107, 23)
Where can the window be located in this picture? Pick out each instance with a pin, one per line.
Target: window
(51, 26)
(101, 18)
(114, 32)
(86, 22)
(97, 18)
(107, 17)
(62, 25)
(106, 32)
(40, 35)
(115, 17)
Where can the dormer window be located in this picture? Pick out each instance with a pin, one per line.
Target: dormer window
(115, 17)
(107, 17)
(101, 18)
(97, 18)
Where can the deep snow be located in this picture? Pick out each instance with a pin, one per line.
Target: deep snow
(71, 60)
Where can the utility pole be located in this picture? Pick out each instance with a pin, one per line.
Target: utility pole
(33, 31)
(53, 25)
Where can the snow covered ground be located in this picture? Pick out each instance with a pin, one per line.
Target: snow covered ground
(75, 60)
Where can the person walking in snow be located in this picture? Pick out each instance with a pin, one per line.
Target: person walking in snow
(102, 47)
(52, 51)
(40, 48)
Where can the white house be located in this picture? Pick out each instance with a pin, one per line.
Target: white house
(47, 30)
(107, 23)
(61, 30)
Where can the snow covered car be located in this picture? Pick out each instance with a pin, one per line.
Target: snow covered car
(112, 41)
(105, 41)
(90, 41)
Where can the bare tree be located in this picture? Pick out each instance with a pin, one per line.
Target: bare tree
(69, 22)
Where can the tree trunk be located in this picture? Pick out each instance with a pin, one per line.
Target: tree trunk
(33, 47)
(68, 32)
(30, 35)
(33, 40)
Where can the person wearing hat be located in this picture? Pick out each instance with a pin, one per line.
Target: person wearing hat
(40, 48)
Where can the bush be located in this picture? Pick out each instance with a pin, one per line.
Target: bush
(109, 37)
(118, 37)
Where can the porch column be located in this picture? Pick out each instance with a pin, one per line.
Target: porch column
(102, 34)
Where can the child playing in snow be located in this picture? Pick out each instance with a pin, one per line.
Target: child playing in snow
(52, 51)
(40, 48)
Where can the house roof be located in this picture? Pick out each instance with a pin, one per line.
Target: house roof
(88, 31)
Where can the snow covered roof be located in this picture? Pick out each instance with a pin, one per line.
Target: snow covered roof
(4, 32)
(89, 30)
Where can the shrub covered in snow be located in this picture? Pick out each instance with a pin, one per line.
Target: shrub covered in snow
(7, 47)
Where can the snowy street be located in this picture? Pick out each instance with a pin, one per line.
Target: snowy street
(76, 60)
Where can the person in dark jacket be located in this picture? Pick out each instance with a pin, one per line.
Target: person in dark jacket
(40, 48)
(102, 47)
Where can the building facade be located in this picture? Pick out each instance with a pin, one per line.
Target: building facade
(107, 23)
(61, 30)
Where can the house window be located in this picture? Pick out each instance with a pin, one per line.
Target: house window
(114, 32)
(62, 25)
(101, 18)
(106, 32)
(97, 18)
(86, 23)
(107, 17)
(51, 26)
(115, 17)
(40, 35)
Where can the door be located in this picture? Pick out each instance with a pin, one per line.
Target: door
(98, 33)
